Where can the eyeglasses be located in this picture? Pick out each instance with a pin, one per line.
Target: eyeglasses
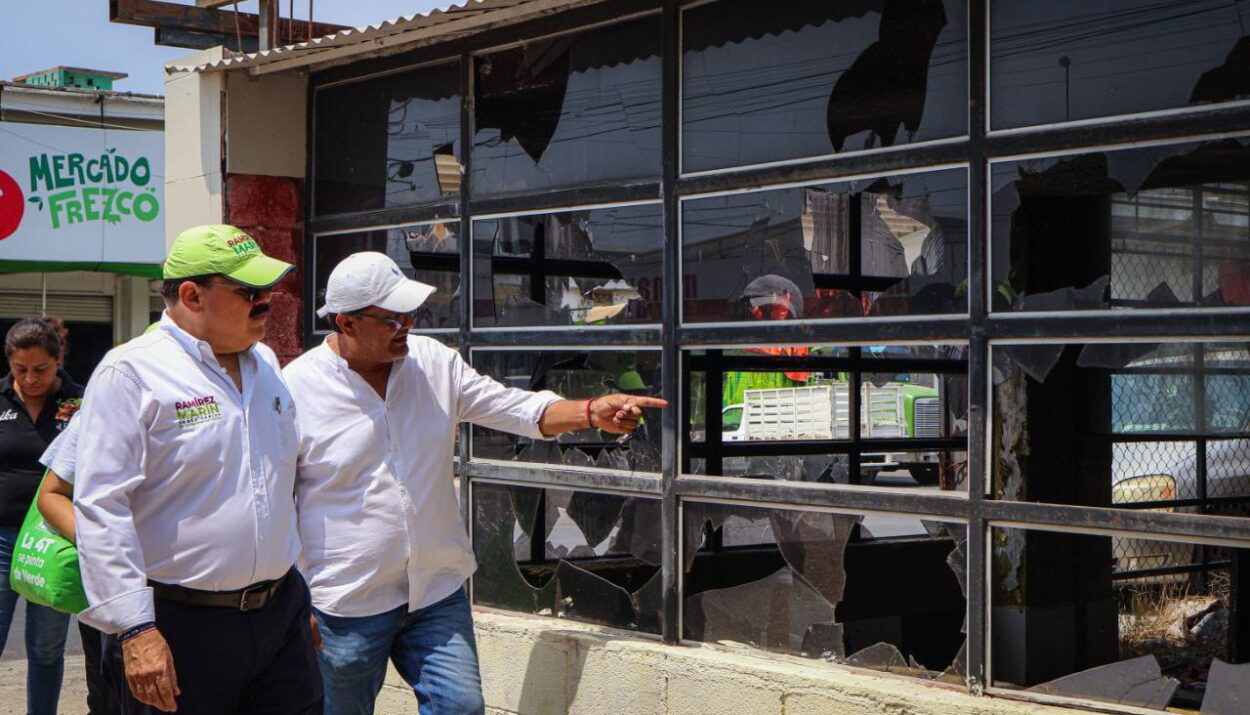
(396, 321)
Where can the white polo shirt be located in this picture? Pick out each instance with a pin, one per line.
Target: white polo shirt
(181, 478)
(378, 515)
(61, 456)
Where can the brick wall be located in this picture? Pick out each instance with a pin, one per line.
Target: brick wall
(270, 209)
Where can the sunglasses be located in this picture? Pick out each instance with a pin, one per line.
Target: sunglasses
(396, 321)
(251, 295)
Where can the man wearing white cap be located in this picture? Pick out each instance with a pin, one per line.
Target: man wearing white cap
(384, 549)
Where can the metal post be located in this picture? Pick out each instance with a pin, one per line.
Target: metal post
(270, 25)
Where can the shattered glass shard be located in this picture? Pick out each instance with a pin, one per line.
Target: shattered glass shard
(1136, 682)
(813, 543)
(778, 612)
(580, 594)
(1228, 689)
(576, 458)
(649, 604)
(643, 456)
(888, 658)
(595, 514)
(540, 451)
(525, 503)
(957, 671)
(639, 533)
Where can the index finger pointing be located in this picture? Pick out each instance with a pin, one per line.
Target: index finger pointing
(648, 402)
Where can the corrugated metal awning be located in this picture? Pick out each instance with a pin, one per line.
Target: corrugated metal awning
(403, 33)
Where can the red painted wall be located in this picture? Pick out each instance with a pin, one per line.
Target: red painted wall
(270, 209)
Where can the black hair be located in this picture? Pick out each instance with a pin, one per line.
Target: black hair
(32, 333)
(169, 288)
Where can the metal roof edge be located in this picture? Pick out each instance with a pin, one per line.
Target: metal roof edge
(457, 20)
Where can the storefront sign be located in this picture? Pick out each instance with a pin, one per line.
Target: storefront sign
(71, 197)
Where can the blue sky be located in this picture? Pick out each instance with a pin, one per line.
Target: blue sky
(78, 33)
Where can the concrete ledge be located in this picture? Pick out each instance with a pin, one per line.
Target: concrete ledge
(543, 666)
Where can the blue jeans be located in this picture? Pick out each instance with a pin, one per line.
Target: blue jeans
(45, 637)
(433, 648)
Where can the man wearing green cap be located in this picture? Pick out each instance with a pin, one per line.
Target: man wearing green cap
(183, 503)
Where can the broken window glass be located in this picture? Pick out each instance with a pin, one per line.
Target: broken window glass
(1134, 425)
(578, 555)
(584, 268)
(1118, 619)
(573, 110)
(576, 376)
(912, 406)
(833, 586)
(1156, 227)
(875, 247)
(425, 252)
(387, 142)
(1070, 60)
(764, 82)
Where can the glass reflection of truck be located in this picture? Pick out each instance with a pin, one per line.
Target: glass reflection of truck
(891, 411)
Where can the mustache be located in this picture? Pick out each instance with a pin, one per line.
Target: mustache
(258, 310)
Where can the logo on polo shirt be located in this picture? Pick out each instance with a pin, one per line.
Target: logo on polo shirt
(197, 411)
(65, 409)
(8, 415)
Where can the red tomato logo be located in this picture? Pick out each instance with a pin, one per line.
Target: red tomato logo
(12, 205)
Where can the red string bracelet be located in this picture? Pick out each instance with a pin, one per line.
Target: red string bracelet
(589, 424)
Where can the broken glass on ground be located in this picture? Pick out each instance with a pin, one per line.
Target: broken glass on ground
(1137, 682)
(1228, 689)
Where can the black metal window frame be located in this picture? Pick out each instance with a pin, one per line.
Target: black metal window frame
(979, 329)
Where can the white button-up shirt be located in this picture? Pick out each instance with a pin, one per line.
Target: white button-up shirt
(182, 478)
(378, 515)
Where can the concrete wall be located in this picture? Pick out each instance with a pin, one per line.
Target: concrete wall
(266, 121)
(543, 666)
(235, 153)
(194, 126)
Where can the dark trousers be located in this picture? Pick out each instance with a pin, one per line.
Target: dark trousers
(101, 699)
(229, 661)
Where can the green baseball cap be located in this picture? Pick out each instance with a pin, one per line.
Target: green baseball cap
(217, 249)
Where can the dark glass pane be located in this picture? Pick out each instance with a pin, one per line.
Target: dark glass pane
(390, 141)
(576, 376)
(1159, 227)
(839, 587)
(783, 415)
(1119, 619)
(428, 253)
(788, 79)
(1079, 59)
(876, 247)
(596, 267)
(573, 110)
(580, 555)
(1124, 424)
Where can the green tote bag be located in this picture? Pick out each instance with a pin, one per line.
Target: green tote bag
(45, 565)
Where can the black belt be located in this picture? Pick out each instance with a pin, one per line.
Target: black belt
(251, 598)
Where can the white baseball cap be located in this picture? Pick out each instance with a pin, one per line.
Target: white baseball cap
(371, 278)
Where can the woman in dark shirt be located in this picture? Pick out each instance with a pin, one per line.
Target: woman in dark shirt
(36, 402)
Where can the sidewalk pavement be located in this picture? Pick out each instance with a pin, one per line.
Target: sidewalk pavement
(13, 687)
